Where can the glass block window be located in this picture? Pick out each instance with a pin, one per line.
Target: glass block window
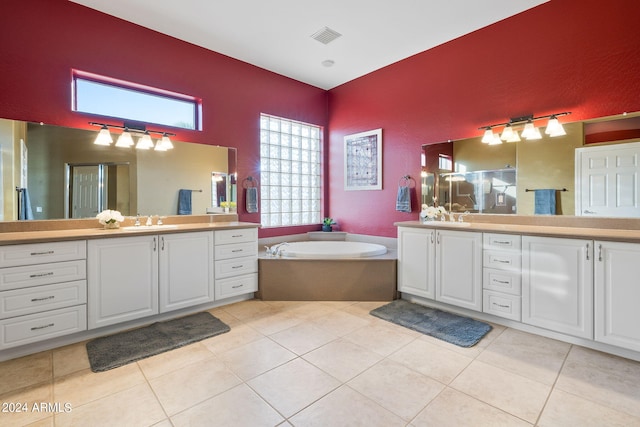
(290, 172)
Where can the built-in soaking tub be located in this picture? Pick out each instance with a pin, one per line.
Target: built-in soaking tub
(328, 271)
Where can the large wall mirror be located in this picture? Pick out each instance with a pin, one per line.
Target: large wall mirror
(467, 175)
(68, 176)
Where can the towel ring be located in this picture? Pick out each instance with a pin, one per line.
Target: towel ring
(249, 182)
(406, 181)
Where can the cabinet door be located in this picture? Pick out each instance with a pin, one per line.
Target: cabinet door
(122, 279)
(186, 269)
(617, 268)
(416, 261)
(557, 284)
(459, 268)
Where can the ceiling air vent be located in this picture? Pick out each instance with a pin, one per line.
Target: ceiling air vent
(325, 35)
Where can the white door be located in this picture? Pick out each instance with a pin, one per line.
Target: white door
(459, 268)
(608, 180)
(557, 284)
(186, 269)
(122, 279)
(86, 195)
(416, 261)
(617, 268)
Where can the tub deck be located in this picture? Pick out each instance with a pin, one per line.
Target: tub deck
(357, 279)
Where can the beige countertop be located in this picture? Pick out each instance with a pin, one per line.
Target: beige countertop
(582, 230)
(40, 235)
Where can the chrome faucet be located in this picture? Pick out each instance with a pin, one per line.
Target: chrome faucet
(149, 222)
(275, 249)
(137, 223)
(463, 214)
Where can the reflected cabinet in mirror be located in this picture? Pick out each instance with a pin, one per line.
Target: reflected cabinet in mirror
(468, 175)
(67, 176)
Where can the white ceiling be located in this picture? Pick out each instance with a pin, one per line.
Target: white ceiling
(276, 35)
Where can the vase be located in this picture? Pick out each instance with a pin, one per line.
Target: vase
(428, 219)
(326, 228)
(111, 225)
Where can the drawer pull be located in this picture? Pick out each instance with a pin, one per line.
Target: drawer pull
(500, 305)
(237, 286)
(501, 242)
(35, 328)
(42, 253)
(237, 235)
(42, 299)
(33, 276)
(502, 282)
(237, 266)
(502, 261)
(237, 250)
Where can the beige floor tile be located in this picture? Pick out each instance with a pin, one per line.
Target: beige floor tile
(609, 380)
(274, 323)
(251, 309)
(85, 386)
(302, 338)
(339, 323)
(255, 358)
(452, 408)
(431, 360)
(47, 422)
(564, 409)
(236, 337)
(531, 356)
(509, 392)
(193, 384)
(343, 359)
(70, 359)
(225, 317)
(25, 371)
(346, 407)
(237, 407)
(362, 309)
(20, 403)
(163, 423)
(293, 386)
(170, 361)
(397, 388)
(311, 311)
(379, 338)
(136, 406)
(338, 305)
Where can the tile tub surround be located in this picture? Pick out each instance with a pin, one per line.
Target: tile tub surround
(331, 363)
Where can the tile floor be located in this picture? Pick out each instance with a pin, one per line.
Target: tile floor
(329, 364)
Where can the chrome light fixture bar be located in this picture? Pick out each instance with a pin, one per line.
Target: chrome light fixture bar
(530, 132)
(126, 139)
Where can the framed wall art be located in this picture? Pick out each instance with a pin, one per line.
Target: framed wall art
(363, 161)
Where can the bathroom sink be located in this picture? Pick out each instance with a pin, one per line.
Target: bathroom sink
(149, 227)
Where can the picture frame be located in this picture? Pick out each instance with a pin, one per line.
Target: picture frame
(363, 161)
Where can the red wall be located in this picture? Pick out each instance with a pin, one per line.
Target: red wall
(42, 40)
(565, 55)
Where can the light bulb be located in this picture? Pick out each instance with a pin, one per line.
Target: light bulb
(507, 132)
(125, 139)
(104, 137)
(145, 142)
(488, 136)
(528, 129)
(514, 137)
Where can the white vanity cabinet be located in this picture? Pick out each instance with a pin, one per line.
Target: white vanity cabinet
(236, 265)
(445, 265)
(186, 269)
(617, 294)
(416, 261)
(43, 291)
(557, 284)
(122, 279)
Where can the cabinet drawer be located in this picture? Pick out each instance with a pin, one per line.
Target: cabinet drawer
(38, 253)
(42, 298)
(502, 281)
(502, 260)
(236, 250)
(42, 274)
(502, 241)
(42, 326)
(238, 235)
(226, 288)
(503, 305)
(236, 267)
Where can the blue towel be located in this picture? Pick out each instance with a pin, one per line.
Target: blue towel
(251, 200)
(184, 202)
(25, 205)
(403, 200)
(545, 202)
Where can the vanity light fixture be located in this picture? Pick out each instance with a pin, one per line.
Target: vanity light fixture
(529, 132)
(126, 138)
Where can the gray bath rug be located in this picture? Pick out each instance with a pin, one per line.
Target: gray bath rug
(125, 347)
(449, 327)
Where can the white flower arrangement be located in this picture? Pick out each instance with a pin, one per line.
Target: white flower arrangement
(108, 216)
(432, 211)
